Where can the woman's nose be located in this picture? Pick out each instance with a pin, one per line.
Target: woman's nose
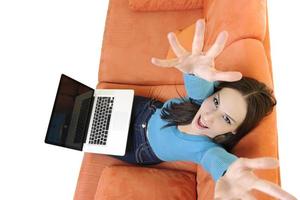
(208, 117)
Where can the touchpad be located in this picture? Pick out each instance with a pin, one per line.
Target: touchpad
(119, 121)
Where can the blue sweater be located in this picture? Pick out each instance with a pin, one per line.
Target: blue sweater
(170, 144)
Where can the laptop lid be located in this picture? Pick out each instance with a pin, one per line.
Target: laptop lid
(70, 115)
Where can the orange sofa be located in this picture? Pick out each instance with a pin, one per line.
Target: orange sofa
(134, 34)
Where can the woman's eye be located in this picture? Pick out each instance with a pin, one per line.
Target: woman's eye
(227, 120)
(216, 102)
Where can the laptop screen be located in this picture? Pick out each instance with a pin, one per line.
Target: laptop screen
(70, 115)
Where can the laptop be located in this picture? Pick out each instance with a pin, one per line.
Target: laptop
(95, 121)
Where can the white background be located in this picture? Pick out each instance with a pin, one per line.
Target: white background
(40, 39)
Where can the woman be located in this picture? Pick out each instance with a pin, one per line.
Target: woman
(214, 117)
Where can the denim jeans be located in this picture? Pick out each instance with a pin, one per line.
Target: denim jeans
(138, 150)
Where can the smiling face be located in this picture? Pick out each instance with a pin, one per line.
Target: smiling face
(220, 113)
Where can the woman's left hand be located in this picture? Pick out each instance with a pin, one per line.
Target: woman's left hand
(239, 180)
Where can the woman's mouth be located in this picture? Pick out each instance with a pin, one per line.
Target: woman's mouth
(199, 124)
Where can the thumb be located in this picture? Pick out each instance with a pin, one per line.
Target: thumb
(165, 63)
(229, 76)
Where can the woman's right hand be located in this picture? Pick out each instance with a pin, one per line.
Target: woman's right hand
(239, 181)
(198, 62)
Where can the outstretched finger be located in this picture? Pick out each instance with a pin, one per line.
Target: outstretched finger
(198, 40)
(219, 45)
(227, 76)
(175, 45)
(165, 63)
(273, 190)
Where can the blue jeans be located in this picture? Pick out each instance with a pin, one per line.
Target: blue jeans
(138, 150)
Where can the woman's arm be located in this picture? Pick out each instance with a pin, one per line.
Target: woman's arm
(216, 161)
(197, 88)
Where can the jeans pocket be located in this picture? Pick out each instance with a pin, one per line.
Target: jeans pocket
(145, 156)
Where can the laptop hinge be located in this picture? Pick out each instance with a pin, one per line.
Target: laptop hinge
(88, 120)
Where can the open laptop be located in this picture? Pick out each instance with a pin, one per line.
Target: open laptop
(95, 121)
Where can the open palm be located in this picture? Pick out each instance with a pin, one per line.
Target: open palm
(198, 62)
(239, 180)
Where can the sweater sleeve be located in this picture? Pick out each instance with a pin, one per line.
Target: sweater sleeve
(216, 161)
(197, 88)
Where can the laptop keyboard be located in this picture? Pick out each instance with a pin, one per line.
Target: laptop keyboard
(101, 120)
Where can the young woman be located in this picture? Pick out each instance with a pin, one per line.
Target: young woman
(220, 109)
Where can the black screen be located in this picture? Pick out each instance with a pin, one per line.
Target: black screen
(70, 115)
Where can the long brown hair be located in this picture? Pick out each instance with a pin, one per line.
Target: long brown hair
(260, 102)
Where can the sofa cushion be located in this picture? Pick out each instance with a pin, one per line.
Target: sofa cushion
(132, 38)
(160, 5)
(131, 182)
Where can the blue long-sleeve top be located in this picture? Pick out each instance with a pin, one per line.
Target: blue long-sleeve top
(170, 144)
